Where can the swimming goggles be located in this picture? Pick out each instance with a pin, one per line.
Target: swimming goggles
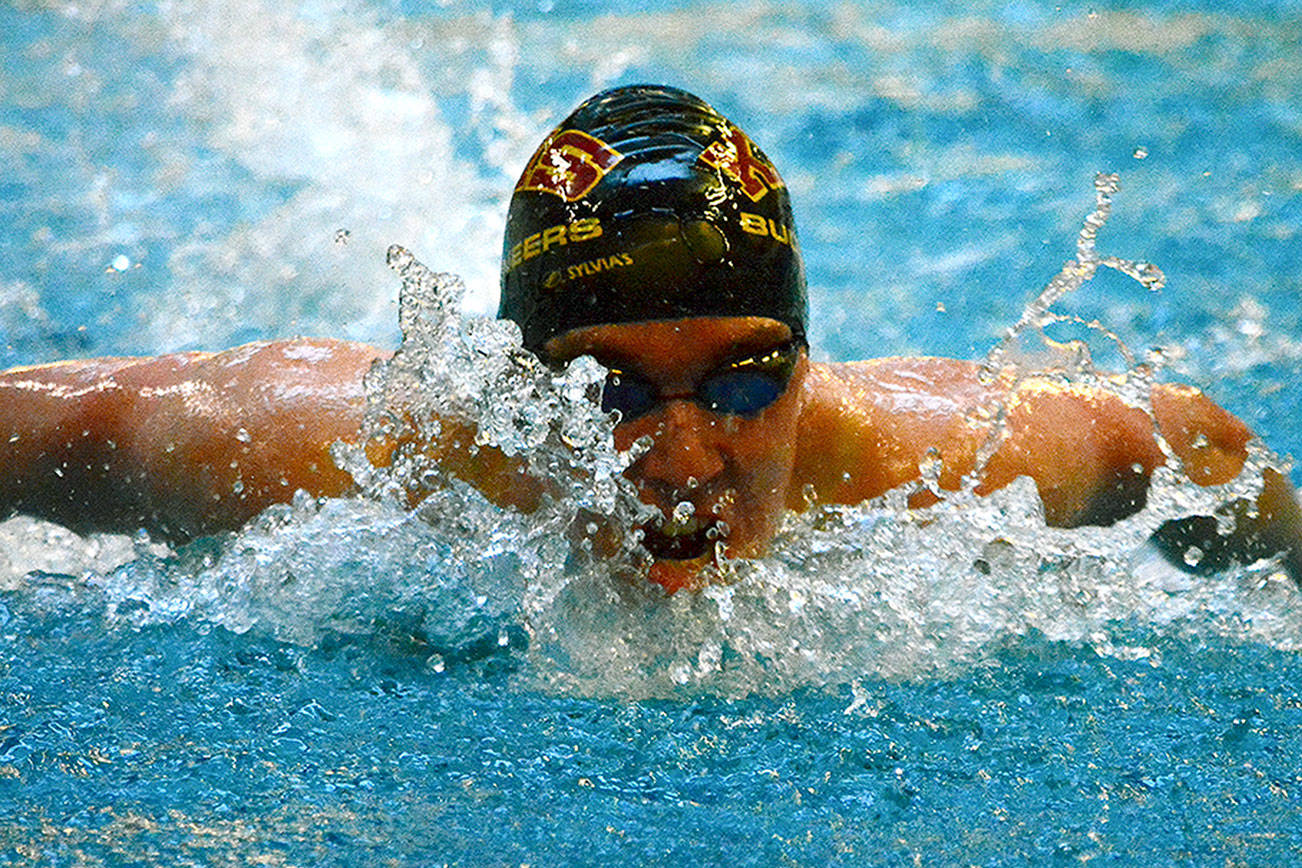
(739, 388)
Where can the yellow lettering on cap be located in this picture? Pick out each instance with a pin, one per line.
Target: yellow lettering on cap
(553, 235)
(585, 230)
(753, 223)
(559, 235)
(531, 248)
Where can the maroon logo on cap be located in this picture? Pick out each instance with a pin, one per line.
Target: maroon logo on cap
(568, 164)
(737, 157)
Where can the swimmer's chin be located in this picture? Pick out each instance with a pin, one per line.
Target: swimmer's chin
(682, 575)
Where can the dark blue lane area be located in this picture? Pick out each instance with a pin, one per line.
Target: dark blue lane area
(193, 744)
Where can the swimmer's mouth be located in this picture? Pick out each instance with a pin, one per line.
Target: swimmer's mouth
(681, 541)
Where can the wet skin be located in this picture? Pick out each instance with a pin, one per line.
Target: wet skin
(195, 443)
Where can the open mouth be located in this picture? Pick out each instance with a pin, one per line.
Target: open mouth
(680, 541)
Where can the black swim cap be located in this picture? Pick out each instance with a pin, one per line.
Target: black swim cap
(647, 204)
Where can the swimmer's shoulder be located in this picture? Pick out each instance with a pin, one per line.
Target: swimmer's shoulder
(866, 425)
(911, 385)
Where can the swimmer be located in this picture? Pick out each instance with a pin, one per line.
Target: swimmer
(651, 233)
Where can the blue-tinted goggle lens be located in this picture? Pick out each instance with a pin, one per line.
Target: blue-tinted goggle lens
(742, 388)
(628, 393)
(740, 393)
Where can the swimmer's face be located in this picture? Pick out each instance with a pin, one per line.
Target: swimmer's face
(677, 382)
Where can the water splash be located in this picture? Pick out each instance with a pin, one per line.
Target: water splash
(424, 558)
(1074, 357)
(459, 376)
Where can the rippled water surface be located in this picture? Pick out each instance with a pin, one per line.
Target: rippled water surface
(349, 683)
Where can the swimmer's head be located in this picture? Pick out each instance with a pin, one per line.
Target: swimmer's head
(646, 204)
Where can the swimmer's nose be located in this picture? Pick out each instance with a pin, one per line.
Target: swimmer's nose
(682, 454)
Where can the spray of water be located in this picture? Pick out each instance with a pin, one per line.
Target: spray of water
(875, 589)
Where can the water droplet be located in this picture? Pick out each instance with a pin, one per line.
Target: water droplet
(398, 258)
(810, 494)
(1140, 153)
(930, 468)
(120, 263)
(243, 436)
(435, 663)
(1193, 556)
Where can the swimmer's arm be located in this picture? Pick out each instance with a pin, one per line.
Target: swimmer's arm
(182, 445)
(191, 444)
(1212, 446)
(869, 426)
(1090, 454)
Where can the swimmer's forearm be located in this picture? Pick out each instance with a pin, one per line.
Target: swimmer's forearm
(503, 479)
(1211, 445)
(57, 445)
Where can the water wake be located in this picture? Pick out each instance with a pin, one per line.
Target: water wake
(846, 592)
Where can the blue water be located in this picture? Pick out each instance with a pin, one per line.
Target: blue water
(173, 178)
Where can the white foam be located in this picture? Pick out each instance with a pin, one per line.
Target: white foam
(875, 590)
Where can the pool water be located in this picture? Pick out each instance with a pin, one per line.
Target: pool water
(345, 683)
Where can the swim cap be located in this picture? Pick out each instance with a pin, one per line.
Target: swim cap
(647, 204)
